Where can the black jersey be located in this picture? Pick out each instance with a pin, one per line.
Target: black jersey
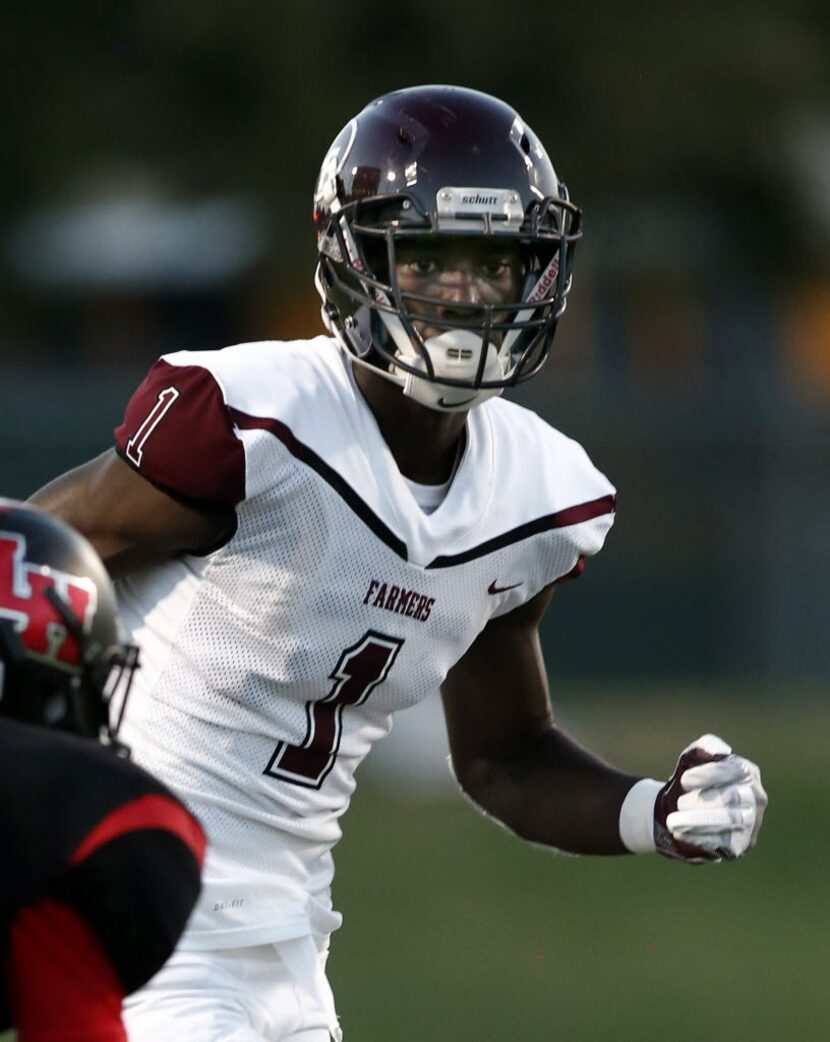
(97, 834)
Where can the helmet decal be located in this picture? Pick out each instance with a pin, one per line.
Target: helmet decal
(23, 600)
(325, 194)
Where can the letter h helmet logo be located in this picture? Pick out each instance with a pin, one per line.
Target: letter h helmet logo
(24, 602)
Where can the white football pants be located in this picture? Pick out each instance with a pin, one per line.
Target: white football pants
(266, 993)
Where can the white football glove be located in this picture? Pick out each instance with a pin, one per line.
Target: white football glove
(710, 809)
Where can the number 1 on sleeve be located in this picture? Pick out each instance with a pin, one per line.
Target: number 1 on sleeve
(135, 446)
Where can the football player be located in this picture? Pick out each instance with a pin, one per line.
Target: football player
(313, 535)
(100, 864)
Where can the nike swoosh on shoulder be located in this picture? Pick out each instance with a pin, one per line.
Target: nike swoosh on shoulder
(492, 588)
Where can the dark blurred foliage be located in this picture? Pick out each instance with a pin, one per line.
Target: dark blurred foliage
(244, 97)
(694, 362)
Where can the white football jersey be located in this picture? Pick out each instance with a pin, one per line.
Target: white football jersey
(271, 665)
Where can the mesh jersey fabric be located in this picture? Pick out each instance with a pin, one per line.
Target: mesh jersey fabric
(272, 665)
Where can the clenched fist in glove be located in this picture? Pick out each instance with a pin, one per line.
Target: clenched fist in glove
(709, 810)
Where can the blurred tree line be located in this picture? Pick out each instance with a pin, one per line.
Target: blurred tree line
(696, 100)
(694, 362)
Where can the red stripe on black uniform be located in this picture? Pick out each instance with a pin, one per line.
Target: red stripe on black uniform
(99, 872)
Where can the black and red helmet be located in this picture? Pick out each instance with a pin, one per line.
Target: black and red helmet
(441, 161)
(62, 657)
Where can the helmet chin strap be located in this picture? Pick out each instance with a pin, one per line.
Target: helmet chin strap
(454, 354)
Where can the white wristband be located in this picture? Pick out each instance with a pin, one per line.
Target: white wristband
(637, 816)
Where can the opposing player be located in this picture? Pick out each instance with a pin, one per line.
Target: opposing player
(99, 867)
(313, 535)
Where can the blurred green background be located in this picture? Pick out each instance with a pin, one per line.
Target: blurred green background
(155, 194)
(454, 929)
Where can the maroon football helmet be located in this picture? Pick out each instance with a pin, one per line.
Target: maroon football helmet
(440, 161)
(62, 658)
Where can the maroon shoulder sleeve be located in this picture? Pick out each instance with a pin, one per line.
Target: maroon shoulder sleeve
(178, 433)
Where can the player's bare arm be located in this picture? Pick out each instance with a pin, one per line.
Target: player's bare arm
(128, 520)
(517, 765)
(511, 758)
